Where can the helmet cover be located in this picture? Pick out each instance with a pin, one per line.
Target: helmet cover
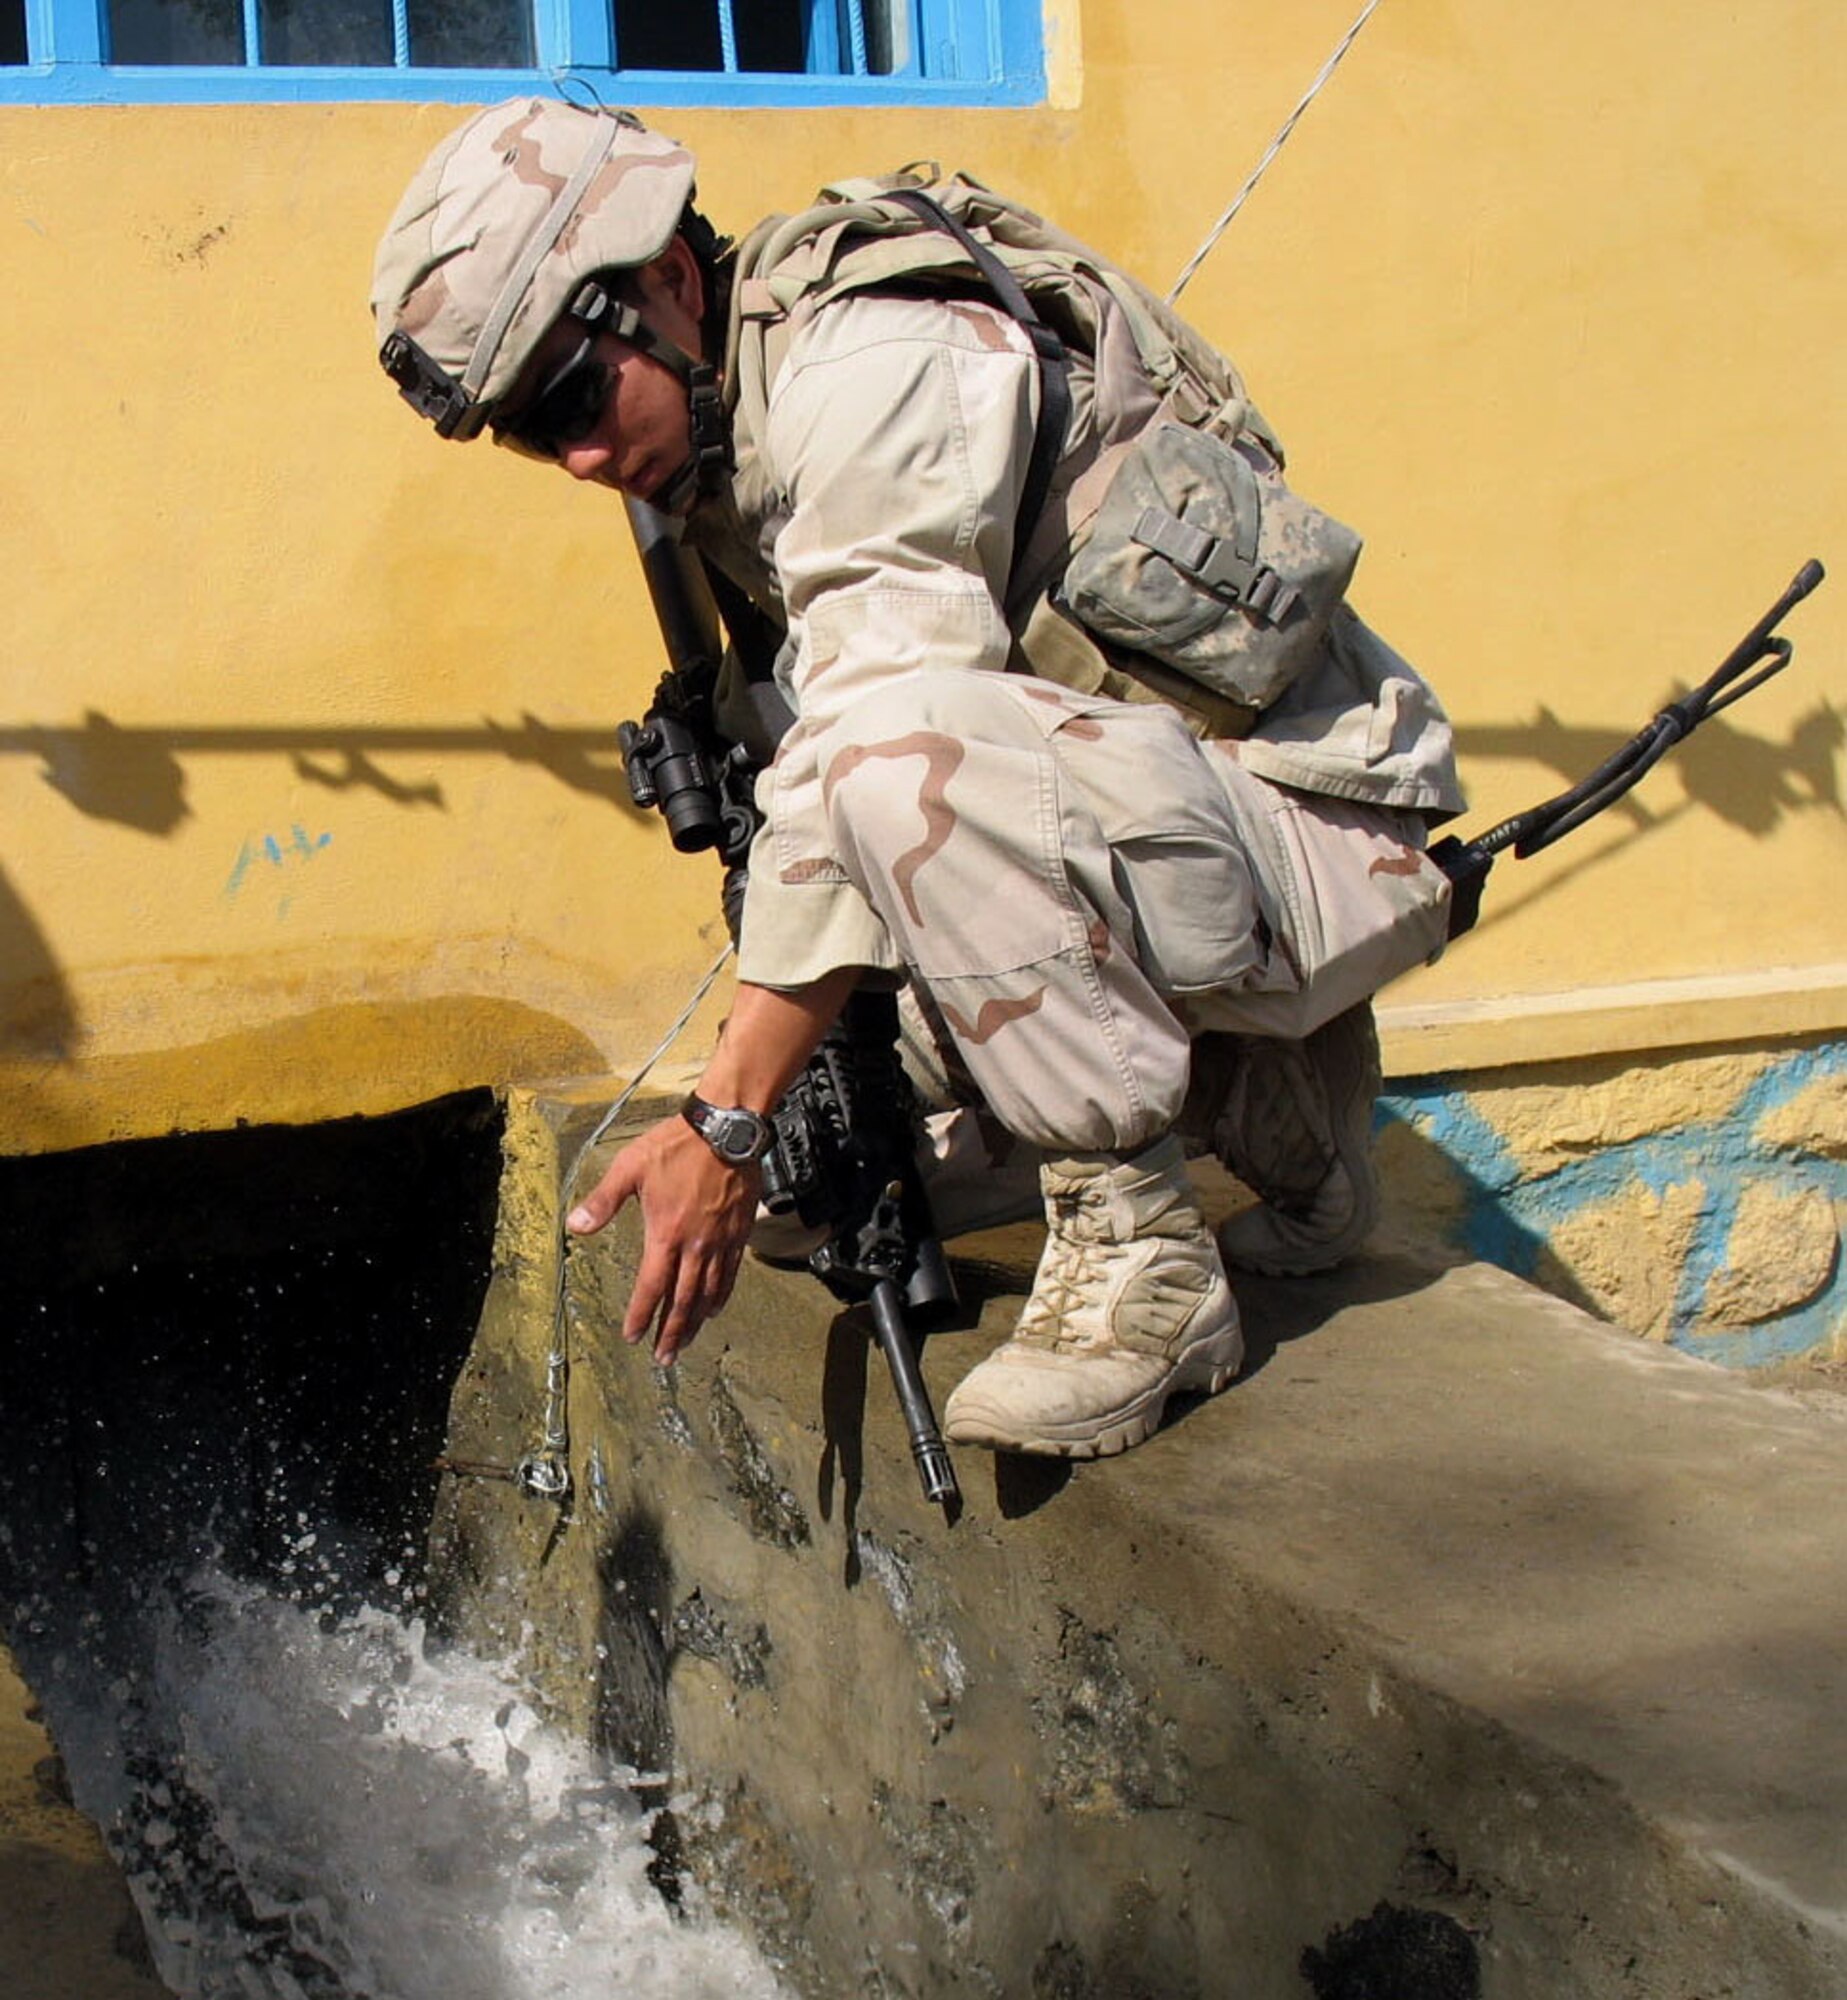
(506, 219)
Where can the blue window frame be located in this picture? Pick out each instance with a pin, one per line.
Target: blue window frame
(473, 51)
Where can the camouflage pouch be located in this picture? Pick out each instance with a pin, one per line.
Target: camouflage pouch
(1201, 557)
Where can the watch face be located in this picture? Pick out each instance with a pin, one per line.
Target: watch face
(737, 1136)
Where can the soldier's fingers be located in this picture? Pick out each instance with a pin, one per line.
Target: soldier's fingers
(654, 1292)
(691, 1306)
(603, 1200)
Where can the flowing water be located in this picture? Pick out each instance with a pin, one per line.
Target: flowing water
(331, 1805)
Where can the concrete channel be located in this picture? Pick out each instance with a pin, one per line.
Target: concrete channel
(1465, 1646)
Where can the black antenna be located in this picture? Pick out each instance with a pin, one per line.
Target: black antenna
(1467, 863)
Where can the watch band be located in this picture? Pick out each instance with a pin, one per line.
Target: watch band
(737, 1136)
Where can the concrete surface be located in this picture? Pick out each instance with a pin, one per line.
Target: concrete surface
(67, 1928)
(1460, 1609)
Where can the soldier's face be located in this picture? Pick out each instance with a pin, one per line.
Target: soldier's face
(641, 434)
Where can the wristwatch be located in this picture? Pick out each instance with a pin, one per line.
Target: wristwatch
(737, 1136)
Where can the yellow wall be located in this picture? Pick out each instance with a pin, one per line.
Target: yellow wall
(1546, 300)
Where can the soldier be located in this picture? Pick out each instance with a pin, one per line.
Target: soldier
(1080, 862)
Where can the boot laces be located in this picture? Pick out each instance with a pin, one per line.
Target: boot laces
(1091, 1224)
(1072, 1279)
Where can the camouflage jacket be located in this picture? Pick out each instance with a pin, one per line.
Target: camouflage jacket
(881, 444)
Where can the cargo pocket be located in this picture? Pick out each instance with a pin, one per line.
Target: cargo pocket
(1175, 858)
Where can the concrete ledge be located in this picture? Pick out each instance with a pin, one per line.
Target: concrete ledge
(1769, 1004)
(1460, 1603)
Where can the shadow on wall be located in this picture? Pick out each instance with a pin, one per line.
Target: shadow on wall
(38, 1017)
(1720, 1235)
(133, 776)
(1746, 780)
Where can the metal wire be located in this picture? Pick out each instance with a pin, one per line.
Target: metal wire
(1276, 145)
(545, 1474)
(856, 37)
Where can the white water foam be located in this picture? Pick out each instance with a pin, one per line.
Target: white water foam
(313, 1807)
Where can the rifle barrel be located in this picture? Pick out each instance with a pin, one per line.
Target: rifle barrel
(927, 1446)
(681, 596)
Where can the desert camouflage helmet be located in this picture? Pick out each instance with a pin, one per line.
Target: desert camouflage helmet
(496, 236)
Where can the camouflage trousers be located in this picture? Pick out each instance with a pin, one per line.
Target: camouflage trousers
(1078, 887)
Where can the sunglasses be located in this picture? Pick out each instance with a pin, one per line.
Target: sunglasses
(566, 409)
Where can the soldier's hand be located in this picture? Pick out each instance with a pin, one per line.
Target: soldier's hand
(696, 1216)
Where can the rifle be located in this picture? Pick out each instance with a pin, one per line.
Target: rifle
(844, 1159)
(1467, 863)
(843, 1156)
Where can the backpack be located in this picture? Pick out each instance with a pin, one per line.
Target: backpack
(1190, 570)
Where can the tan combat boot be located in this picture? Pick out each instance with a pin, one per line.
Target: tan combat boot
(1293, 1120)
(1129, 1304)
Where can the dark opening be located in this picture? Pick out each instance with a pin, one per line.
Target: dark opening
(12, 31)
(1396, 1954)
(227, 1363)
(211, 1337)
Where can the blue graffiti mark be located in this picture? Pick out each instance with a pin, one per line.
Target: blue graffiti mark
(1494, 1227)
(1507, 1219)
(1790, 1172)
(301, 846)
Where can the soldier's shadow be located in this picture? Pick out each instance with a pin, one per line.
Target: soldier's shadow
(1749, 781)
(845, 1378)
(849, 1367)
(1276, 1311)
(994, 1272)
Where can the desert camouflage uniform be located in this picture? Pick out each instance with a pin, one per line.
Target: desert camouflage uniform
(1076, 884)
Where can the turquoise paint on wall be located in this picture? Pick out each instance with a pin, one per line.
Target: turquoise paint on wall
(1510, 1216)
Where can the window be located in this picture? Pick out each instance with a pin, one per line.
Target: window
(330, 34)
(463, 51)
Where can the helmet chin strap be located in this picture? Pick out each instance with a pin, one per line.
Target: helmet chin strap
(709, 458)
(676, 494)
